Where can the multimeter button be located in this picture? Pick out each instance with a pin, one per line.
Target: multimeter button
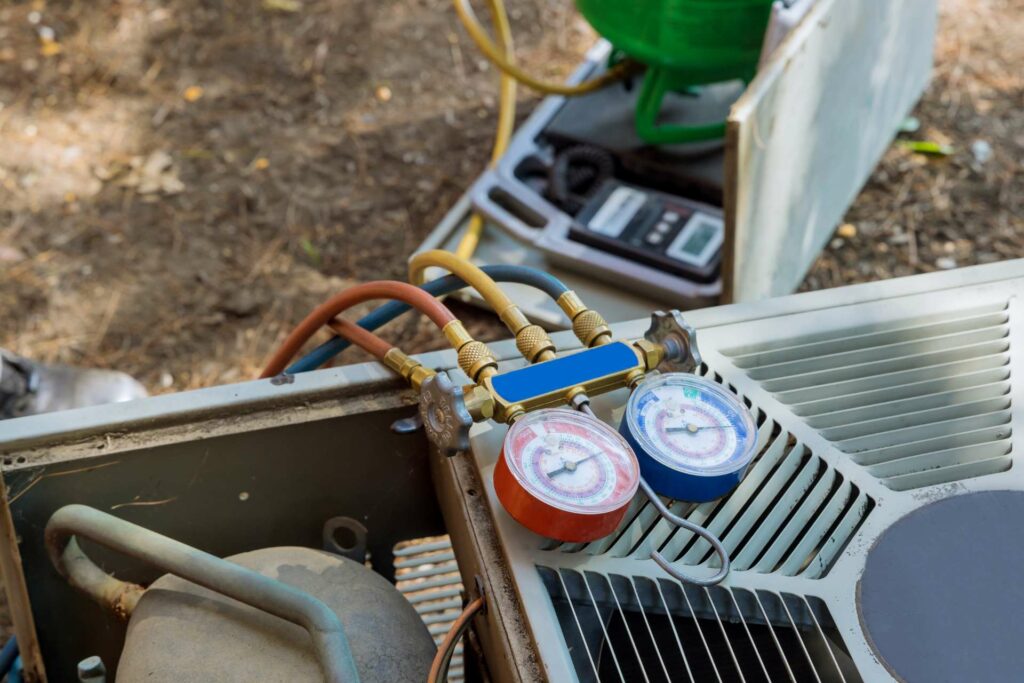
(655, 238)
(670, 217)
(663, 228)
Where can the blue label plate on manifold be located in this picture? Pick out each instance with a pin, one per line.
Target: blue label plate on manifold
(564, 372)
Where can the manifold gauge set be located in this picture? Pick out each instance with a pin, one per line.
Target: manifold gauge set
(567, 475)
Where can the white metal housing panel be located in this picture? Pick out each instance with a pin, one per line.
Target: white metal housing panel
(805, 136)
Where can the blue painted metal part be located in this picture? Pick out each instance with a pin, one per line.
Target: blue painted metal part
(667, 482)
(693, 483)
(565, 372)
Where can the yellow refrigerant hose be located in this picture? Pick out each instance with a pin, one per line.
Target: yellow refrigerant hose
(506, 121)
(506, 64)
(531, 340)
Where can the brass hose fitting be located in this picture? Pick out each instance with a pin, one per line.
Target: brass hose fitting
(410, 370)
(532, 341)
(478, 402)
(475, 359)
(588, 325)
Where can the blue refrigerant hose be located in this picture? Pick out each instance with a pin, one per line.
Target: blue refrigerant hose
(7, 656)
(523, 275)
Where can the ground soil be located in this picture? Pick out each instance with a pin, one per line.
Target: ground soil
(182, 180)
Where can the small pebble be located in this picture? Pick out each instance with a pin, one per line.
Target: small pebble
(982, 151)
(847, 231)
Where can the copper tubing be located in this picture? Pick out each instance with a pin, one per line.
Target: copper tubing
(439, 667)
(325, 312)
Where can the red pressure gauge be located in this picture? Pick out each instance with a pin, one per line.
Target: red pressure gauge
(565, 475)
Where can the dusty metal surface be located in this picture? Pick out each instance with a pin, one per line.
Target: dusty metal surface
(181, 632)
(228, 579)
(269, 463)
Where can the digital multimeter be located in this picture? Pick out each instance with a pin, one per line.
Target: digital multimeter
(673, 234)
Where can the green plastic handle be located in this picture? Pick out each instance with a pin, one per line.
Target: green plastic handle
(658, 82)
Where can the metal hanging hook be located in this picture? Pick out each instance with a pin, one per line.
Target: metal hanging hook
(582, 403)
(678, 521)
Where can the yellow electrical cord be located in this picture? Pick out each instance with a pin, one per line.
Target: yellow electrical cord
(483, 41)
(506, 121)
(531, 340)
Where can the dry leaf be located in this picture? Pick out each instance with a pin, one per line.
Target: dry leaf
(152, 174)
(282, 5)
(49, 48)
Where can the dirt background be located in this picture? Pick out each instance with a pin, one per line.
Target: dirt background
(182, 181)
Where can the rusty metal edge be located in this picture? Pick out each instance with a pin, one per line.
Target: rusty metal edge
(17, 595)
(506, 638)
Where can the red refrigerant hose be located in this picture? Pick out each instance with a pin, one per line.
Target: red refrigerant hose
(364, 339)
(337, 304)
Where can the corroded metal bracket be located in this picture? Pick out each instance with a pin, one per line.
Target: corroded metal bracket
(445, 415)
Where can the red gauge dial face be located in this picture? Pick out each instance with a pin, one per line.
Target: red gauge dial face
(571, 461)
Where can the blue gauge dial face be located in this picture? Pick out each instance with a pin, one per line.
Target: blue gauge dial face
(691, 424)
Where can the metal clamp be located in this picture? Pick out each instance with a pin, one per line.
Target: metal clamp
(677, 337)
(351, 529)
(445, 415)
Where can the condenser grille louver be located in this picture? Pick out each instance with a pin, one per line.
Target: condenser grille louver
(622, 628)
(427, 575)
(792, 514)
(875, 406)
(916, 402)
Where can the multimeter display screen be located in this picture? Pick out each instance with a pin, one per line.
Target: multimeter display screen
(703, 234)
(671, 233)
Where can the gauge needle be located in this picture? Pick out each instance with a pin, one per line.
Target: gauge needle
(693, 429)
(570, 465)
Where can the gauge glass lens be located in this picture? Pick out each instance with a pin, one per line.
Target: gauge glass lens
(572, 461)
(691, 424)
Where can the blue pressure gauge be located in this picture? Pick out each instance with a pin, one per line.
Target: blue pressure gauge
(693, 439)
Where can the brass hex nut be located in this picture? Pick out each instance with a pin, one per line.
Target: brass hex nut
(474, 358)
(533, 342)
(590, 328)
(650, 352)
(479, 402)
